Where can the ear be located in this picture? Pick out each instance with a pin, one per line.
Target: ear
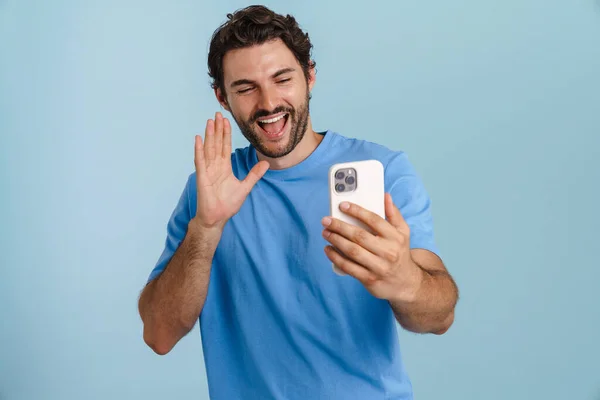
(222, 99)
(312, 76)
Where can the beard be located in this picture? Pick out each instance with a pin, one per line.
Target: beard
(297, 118)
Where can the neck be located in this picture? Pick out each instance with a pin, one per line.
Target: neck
(307, 145)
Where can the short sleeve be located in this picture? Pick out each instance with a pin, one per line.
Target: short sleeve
(176, 231)
(411, 198)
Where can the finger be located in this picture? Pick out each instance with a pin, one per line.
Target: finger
(375, 244)
(218, 134)
(369, 218)
(226, 139)
(353, 251)
(255, 174)
(209, 142)
(199, 161)
(393, 214)
(349, 267)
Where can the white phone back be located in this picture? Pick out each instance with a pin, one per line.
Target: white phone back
(368, 193)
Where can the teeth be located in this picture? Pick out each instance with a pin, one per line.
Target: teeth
(270, 121)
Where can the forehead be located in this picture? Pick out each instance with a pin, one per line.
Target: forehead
(257, 62)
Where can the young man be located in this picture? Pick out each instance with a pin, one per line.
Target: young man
(250, 246)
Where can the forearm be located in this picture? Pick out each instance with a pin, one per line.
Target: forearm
(170, 305)
(431, 310)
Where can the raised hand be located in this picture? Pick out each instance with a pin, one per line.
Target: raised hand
(220, 193)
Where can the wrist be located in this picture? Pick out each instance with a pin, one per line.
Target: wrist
(415, 279)
(200, 229)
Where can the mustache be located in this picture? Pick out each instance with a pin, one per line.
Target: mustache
(277, 110)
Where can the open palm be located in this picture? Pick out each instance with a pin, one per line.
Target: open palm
(220, 193)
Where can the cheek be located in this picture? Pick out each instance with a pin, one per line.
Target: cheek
(293, 96)
(300, 92)
(242, 110)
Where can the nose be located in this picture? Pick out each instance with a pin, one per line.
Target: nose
(268, 99)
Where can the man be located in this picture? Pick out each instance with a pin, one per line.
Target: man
(250, 246)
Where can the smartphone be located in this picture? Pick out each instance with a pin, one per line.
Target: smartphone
(359, 182)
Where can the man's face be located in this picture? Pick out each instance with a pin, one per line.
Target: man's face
(268, 95)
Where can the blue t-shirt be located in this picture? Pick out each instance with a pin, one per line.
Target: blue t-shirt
(278, 323)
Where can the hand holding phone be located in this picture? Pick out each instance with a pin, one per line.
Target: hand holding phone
(359, 182)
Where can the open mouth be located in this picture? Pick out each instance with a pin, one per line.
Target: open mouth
(273, 127)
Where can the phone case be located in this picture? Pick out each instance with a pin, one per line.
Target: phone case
(367, 190)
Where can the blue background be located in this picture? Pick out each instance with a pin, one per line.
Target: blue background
(497, 104)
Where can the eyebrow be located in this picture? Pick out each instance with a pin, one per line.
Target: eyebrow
(282, 71)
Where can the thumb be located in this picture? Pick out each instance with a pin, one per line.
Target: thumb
(255, 174)
(393, 214)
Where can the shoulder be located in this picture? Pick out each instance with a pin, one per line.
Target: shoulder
(395, 161)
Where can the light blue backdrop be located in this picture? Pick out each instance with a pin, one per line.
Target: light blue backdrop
(496, 103)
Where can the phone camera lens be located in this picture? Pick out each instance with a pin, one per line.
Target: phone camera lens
(350, 180)
(339, 175)
(340, 187)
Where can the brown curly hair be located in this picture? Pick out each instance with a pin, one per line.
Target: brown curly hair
(255, 25)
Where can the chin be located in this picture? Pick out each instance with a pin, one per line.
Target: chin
(274, 149)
